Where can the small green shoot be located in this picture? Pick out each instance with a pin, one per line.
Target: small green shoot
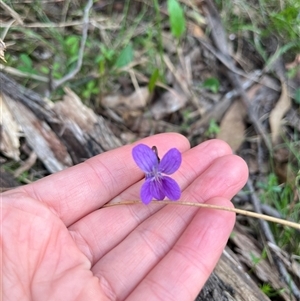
(177, 19)
(255, 259)
(212, 84)
(271, 186)
(106, 53)
(23, 177)
(104, 59)
(71, 48)
(213, 129)
(153, 80)
(72, 45)
(125, 57)
(268, 290)
(26, 64)
(91, 88)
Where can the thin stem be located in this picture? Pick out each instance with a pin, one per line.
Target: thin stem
(85, 28)
(160, 39)
(239, 211)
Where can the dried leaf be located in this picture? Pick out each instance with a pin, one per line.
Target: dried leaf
(195, 30)
(168, 43)
(137, 100)
(10, 133)
(232, 126)
(2, 49)
(169, 102)
(276, 115)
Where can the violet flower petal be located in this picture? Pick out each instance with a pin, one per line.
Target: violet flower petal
(144, 157)
(170, 161)
(146, 195)
(171, 188)
(157, 189)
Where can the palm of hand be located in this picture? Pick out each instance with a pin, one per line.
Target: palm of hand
(57, 245)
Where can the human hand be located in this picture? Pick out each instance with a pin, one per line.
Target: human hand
(58, 245)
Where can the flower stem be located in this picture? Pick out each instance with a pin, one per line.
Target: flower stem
(239, 211)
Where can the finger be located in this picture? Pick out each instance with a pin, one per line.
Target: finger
(191, 260)
(79, 190)
(144, 247)
(117, 222)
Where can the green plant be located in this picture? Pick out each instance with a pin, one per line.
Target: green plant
(153, 79)
(212, 84)
(125, 57)
(282, 197)
(255, 259)
(104, 59)
(177, 19)
(26, 64)
(286, 21)
(263, 20)
(213, 129)
(269, 290)
(91, 88)
(71, 48)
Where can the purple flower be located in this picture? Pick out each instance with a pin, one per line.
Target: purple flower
(157, 185)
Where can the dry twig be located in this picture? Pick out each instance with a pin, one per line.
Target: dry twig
(85, 27)
(26, 165)
(93, 22)
(14, 15)
(16, 72)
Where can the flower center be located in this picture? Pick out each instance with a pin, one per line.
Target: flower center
(154, 175)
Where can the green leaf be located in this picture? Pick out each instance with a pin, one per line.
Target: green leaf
(297, 96)
(125, 57)
(107, 53)
(212, 84)
(213, 128)
(44, 69)
(26, 60)
(177, 19)
(153, 79)
(72, 45)
(27, 65)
